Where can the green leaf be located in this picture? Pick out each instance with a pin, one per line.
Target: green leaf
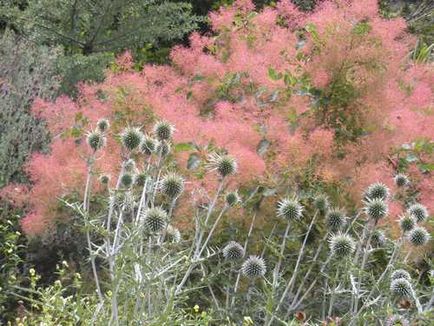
(273, 74)
(184, 147)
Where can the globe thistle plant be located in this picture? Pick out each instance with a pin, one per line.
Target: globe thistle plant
(96, 140)
(129, 165)
(342, 245)
(172, 185)
(163, 148)
(225, 165)
(419, 236)
(232, 198)
(321, 203)
(400, 273)
(377, 191)
(233, 251)
(335, 220)
(154, 219)
(401, 288)
(419, 212)
(140, 179)
(131, 138)
(102, 125)
(289, 209)
(401, 180)
(148, 145)
(407, 223)
(254, 267)
(104, 179)
(127, 180)
(378, 239)
(173, 234)
(376, 208)
(163, 130)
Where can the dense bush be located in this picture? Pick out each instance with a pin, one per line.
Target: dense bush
(327, 100)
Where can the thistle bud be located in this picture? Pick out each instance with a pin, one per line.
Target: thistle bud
(96, 140)
(127, 180)
(131, 138)
(232, 198)
(401, 180)
(376, 208)
(225, 165)
(401, 288)
(102, 125)
(377, 191)
(321, 203)
(141, 179)
(233, 251)
(400, 273)
(335, 220)
(407, 223)
(104, 179)
(289, 209)
(155, 219)
(173, 234)
(254, 267)
(419, 212)
(148, 145)
(342, 245)
(172, 185)
(163, 130)
(163, 149)
(378, 239)
(419, 236)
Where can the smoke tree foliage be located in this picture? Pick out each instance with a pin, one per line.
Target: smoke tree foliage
(329, 97)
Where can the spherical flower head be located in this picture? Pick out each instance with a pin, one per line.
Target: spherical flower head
(104, 179)
(289, 209)
(129, 165)
(419, 236)
(419, 212)
(163, 130)
(148, 145)
(254, 267)
(401, 288)
(225, 165)
(335, 220)
(401, 180)
(376, 208)
(163, 148)
(378, 239)
(155, 219)
(377, 191)
(400, 273)
(232, 198)
(172, 185)
(173, 234)
(342, 245)
(407, 223)
(131, 138)
(233, 251)
(127, 180)
(102, 125)
(95, 140)
(321, 203)
(141, 179)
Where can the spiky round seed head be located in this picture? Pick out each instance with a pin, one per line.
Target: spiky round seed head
(127, 180)
(173, 234)
(129, 165)
(148, 145)
(401, 288)
(131, 138)
(289, 209)
(232, 198)
(95, 140)
(155, 219)
(103, 125)
(172, 185)
(225, 165)
(253, 267)
(376, 208)
(419, 212)
(321, 203)
(377, 191)
(163, 130)
(342, 245)
(233, 251)
(419, 236)
(378, 239)
(335, 219)
(141, 179)
(400, 273)
(104, 179)
(407, 223)
(401, 180)
(163, 148)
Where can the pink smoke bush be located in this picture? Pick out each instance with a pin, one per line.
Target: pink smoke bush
(218, 93)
